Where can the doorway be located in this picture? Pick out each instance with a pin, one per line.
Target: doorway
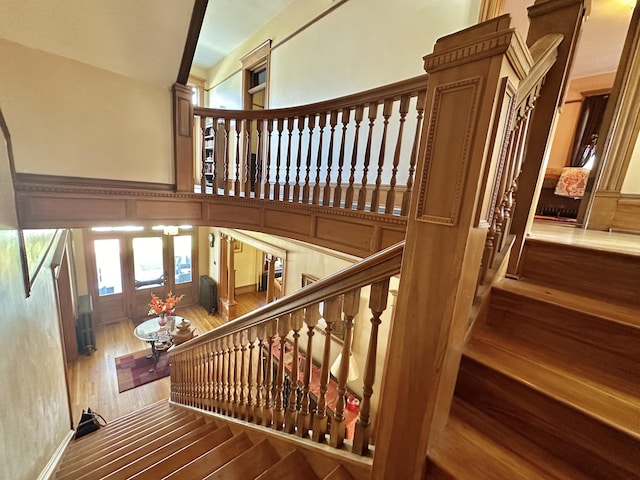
(125, 268)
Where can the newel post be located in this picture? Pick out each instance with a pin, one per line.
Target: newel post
(183, 138)
(471, 75)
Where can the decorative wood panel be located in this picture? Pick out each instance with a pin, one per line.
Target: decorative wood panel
(447, 154)
(222, 214)
(46, 210)
(297, 223)
(347, 234)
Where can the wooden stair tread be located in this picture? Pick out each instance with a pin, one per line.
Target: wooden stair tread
(248, 464)
(159, 454)
(474, 446)
(605, 405)
(185, 455)
(123, 443)
(108, 434)
(290, 467)
(614, 312)
(118, 458)
(213, 459)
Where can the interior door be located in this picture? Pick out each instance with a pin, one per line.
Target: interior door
(149, 272)
(109, 303)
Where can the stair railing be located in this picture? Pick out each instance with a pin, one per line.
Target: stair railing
(513, 146)
(240, 369)
(320, 154)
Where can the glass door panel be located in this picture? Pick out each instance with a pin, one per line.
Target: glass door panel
(182, 259)
(109, 303)
(108, 266)
(148, 264)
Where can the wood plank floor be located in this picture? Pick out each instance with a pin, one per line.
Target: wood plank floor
(92, 379)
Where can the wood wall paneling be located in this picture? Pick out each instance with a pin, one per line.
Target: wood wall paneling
(288, 222)
(168, 209)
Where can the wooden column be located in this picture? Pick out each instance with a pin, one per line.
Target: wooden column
(183, 138)
(271, 277)
(437, 284)
(229, 303)
(222, 275)
(566, 17)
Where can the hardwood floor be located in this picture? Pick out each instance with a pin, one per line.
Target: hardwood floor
(92, 378)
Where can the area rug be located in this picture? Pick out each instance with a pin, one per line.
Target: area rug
(133, 369)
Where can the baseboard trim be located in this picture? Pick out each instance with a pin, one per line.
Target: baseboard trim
(246, 289)
(52, 464)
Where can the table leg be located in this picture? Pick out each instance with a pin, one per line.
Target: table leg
(154, 354)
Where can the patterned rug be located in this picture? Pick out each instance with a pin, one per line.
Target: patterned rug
(133, 369)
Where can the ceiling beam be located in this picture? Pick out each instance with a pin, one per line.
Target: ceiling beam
(197, 18)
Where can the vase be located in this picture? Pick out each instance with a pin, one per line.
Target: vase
(183, 325)
(162, 320)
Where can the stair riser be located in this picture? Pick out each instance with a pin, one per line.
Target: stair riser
(563, 431)
(609, 276)
(607, 351)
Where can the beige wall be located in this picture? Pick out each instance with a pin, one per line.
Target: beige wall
(246, 266)
(68, 118)
(353, 48)
(34, 405)
(631, 183)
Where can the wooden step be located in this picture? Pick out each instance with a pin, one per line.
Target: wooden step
(566, 432)
(605, 338)
(140, 461)
(606, 275)
(106, 434)
(248, 464)
(474, 446)
(213, 459)
(124, 440)
(339, 473)
(605, 405)
(112, 461)
(185, 455)
(290, 467)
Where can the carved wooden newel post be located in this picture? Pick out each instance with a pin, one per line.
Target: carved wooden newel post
(448, 213)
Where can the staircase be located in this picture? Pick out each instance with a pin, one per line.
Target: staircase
(164, 441)
(548, 385)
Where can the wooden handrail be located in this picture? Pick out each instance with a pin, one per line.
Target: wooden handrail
(393, 91)
(379, 266)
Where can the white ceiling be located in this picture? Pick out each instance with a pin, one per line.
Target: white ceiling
(227, 23)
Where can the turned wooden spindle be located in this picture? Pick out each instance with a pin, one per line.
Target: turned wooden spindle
(391, 194)
(377, 305)
(189, 383)
(217, 388)
(258, 411)
(225, 159)
(283, 330)
(362, 193)
(236, 183)
(303, 425)
(287, 171)
(203, 153)
(296, 186)
(267, 179)
(276, 186)
(337, 191)
(297, 320)
(228, 394)
(387, 109)
(322, 121)
(214, 157)
(338, 426)
(333, 121)
(242, 410)
(348, 198)
(257, 181)
(271, 330)
(199, 380)
(406, 196)
(250, 411)
(246, 125)
(311, 123)
(332, 309)
(235, 407)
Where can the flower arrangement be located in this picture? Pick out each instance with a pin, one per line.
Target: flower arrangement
(163, 308)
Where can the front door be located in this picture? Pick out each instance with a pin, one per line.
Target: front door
(127, 268)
